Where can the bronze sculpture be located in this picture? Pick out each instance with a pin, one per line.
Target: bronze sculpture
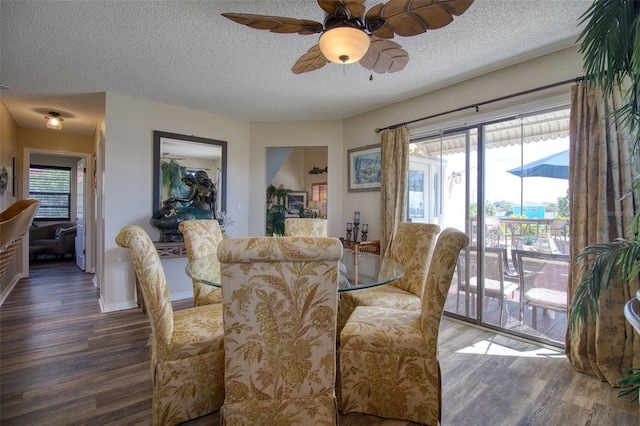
(200, 203)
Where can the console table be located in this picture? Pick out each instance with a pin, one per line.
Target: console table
(173, 250)
(362, 246)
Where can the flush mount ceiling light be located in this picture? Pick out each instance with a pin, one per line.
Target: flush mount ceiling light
(349, 35)
(54, 120)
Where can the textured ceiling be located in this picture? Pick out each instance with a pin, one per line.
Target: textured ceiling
(63, 55)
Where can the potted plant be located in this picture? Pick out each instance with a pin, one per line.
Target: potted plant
(276, 212)
(271, 193)
(281, 194)
(609, 44)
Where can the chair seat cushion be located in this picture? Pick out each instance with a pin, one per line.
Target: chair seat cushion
(385, 296)
(492, 287)
(196, 331)
(547, 298)
(384, 330)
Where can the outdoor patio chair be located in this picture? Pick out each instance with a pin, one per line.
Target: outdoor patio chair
(543, 282)
(493, 232)
(495, 285)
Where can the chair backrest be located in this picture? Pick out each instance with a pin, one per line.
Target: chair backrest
(434, 294)
(153, 283)
(14, 224)
(201, 238)
(280, 299)
(558, 225)
(493, 231)
(495, 263)
(305, 227)
(412, 246)
(545, 270)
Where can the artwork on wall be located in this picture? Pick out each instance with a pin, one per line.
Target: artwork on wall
(296, 202)
(365, 168)
(4, 179)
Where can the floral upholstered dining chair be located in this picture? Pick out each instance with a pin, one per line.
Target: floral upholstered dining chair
(388, 357)
(412, 246)
(305, 227)
(201, 238)
(280, 297)
(186, 346)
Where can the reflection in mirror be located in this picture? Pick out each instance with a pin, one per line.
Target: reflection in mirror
(293, 174)
(189, 181)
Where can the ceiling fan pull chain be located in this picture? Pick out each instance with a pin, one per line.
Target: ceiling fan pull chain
(370, 76)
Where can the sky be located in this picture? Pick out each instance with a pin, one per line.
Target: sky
(501, 185)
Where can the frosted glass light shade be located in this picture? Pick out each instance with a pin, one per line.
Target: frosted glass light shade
(344, 44)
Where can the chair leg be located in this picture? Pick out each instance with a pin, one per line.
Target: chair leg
(534, 317)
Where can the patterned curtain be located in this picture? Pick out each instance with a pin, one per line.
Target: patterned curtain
(395, 166)
(602, 168)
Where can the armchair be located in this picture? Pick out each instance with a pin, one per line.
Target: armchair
(280, 296)
(201, 238)
(186, 346)
(305, 227)
(388, 357)
(412, 246)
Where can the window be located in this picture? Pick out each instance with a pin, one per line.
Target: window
(319, 195)
(52, 186)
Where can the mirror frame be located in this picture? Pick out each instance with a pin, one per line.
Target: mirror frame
(158, 136)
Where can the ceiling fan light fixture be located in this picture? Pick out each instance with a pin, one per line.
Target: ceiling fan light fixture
(54, 121)
(344, 45)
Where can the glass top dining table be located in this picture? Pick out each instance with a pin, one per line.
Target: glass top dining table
(357, 270)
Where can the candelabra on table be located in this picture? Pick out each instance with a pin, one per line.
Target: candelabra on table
(365, 231)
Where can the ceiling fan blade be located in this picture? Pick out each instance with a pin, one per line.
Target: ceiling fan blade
(276, 24)
(408, 18)
(374, 16)
(355, 7)
(310, 61)
(384, 56)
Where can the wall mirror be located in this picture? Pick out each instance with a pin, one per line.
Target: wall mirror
(175, 156)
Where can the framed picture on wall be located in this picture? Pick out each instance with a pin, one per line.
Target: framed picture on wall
(296, 202)
(365, 168)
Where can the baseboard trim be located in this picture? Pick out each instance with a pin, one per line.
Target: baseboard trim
(130, 304)
(5, 293)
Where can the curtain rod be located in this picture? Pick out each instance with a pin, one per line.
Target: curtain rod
(478, 105)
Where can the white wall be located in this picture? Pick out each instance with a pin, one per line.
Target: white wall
(360, 130)
(293, 134)
(128, 185)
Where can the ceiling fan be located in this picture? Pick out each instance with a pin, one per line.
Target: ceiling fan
(349, 35)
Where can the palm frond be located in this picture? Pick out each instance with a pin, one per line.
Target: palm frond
(601, 265)
(630, 384)
(610, 45)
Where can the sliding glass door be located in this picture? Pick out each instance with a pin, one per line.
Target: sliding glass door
(505, 183)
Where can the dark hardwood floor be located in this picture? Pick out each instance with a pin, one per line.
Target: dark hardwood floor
(62, 362)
